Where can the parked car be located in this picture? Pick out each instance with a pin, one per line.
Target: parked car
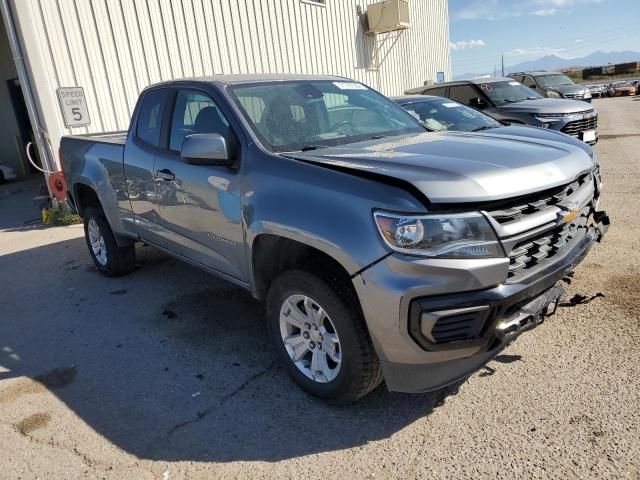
(596, 90)
(6, 173)
(553, 85)
(438, 114)
(380, 249)
(509, 101)
(622, 89)
(611, 88)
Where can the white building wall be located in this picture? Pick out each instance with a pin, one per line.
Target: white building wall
(115, 48)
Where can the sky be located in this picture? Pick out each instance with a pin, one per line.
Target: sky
(481, 30)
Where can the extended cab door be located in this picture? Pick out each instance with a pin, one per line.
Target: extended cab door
(142, 144)
(199, 205)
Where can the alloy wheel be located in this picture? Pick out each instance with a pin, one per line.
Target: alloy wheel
(310, 338)
(96, 240)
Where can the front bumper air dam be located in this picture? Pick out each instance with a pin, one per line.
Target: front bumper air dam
(544, 294)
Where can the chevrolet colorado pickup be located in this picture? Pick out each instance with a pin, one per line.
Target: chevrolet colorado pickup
(381, 249)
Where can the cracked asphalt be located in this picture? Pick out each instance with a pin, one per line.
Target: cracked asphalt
(167, 373)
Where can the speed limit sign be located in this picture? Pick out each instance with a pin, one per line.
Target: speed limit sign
(74, 106)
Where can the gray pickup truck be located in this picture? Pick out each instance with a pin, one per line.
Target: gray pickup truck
(381, 250)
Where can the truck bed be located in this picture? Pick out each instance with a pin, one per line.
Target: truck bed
(118, 138)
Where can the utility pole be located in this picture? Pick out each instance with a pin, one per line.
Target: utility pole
(503, 64)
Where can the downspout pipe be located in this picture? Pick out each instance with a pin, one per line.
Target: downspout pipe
(25, 83)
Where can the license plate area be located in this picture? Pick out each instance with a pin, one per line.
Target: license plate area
(589, 136)
(530, 315)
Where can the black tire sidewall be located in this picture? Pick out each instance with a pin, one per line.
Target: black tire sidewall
(346, 385)
(119, 260)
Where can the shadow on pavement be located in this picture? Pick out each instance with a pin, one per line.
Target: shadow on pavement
(16, 197)
(177, 366)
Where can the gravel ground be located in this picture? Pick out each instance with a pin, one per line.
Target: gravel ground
(167, 373)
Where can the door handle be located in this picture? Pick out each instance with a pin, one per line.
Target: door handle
(165, 174)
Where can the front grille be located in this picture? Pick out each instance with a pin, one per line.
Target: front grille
(577, 127)
(533, 204)
(527, 254)
(573, 95)
(534, 251)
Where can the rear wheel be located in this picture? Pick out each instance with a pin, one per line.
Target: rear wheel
(320, 338)
(109, 258)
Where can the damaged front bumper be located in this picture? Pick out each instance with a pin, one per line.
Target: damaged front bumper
(496, 316)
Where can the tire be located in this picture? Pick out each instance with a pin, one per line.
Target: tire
(110, 259)
(358, 371)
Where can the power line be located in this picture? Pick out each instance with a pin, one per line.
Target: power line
(594, 38)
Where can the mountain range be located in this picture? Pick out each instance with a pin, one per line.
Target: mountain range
(554, 62)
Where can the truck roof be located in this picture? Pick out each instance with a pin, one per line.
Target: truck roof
(251, 78)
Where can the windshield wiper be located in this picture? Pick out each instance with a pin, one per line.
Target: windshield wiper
(306, 148)
(479, 129)
(377, 137)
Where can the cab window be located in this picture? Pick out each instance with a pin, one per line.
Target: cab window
(193, 113)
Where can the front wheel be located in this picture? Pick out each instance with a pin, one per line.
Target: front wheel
(321, 339)
(109, 258)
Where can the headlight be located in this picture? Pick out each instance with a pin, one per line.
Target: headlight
(552, 94)
(456, 235)
(587, 95)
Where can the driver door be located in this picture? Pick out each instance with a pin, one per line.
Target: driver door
(199, 205)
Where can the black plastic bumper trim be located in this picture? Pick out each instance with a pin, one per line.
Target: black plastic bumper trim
(502, 300)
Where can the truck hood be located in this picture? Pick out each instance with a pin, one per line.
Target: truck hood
(547, 105)
(458, 167)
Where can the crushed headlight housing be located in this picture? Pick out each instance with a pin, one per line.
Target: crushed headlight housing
(455, 235)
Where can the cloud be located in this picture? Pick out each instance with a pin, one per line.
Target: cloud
(564, 3)
(545, 12)
(494, 10)
(466, 44)
(484, 10)
(521, 52)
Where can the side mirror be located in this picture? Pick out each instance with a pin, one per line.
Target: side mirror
(205, 149)
(478, 102)
(533, 86)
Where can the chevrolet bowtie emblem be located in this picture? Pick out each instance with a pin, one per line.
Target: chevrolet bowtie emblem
(570, 216)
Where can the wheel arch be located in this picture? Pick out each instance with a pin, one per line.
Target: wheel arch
(86, 195)
(273, 254)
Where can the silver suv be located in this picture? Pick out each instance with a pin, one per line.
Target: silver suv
(509, 101)
(553, 85)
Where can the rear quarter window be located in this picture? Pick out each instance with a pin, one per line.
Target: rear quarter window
(149, 123)
(437, 92)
